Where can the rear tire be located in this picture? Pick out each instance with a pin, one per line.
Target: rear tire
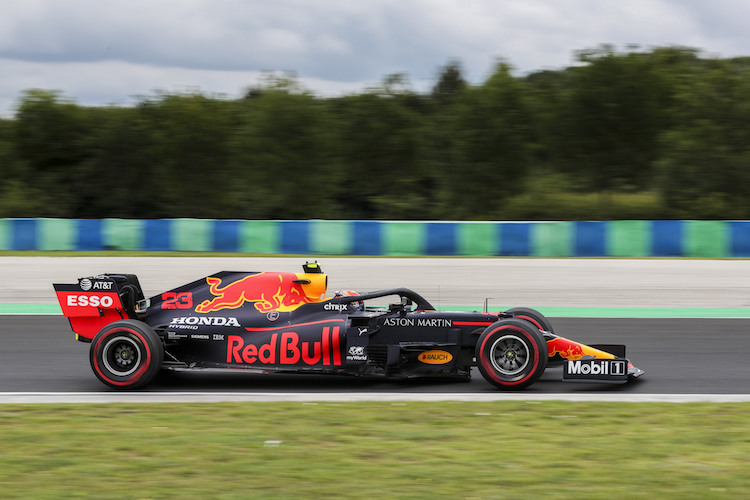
(533, 316)
(511, 354)
(126, 354)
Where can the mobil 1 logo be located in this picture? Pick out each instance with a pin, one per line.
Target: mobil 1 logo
(596, 370)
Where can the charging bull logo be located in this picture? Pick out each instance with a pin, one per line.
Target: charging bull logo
(269, 292)
(568, 349)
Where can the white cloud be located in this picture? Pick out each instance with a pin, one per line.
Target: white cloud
(99, 52)
(123, 83)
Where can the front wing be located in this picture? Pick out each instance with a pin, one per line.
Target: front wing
(591, 363)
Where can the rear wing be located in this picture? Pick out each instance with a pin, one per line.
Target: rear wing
(96, 301)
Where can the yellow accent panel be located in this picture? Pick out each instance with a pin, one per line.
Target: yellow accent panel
(315, 291)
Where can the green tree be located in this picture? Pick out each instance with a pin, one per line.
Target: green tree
(16, 198)
(616, 109)
(189, 153)
(51, 141)
(120, 178)
(704, 167)
(8, 168)
(380, 144)
(282, 153)
(546, 93)
(489, 144)
(450, 83)
(663, 129)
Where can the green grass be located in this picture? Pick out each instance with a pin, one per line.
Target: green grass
(358, 450)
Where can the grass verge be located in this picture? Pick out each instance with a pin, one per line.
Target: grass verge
(512, 449)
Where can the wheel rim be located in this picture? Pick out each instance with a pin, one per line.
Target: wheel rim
(509, 355)
(121, 356)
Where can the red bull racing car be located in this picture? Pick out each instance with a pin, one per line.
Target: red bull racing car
(284, 322)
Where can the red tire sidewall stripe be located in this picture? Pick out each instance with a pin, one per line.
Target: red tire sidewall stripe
(530, 320)
(485, 361)
(135, 376)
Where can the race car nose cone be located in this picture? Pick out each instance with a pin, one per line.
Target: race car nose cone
(633, 371)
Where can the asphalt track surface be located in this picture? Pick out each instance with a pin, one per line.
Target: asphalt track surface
(41, 362)
(680, 357)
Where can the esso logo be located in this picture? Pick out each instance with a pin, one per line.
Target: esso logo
(90, 301)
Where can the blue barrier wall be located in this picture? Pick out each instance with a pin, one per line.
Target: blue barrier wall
(658, 238)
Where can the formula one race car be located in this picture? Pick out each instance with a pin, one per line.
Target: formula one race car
(283, 322)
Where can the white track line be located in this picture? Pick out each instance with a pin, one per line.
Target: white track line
(222, 397)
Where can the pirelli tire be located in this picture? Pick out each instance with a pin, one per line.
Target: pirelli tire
(126, 354)
(533, 316)
(511, 354)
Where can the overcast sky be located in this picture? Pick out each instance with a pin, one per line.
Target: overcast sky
(108, 51)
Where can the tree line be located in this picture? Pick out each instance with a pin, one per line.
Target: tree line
(635, 134)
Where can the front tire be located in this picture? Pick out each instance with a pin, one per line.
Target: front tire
(511, 354)
(126, 354)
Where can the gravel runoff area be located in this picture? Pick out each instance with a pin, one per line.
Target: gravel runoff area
(458, 282)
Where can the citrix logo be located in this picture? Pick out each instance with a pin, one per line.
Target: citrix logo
(335, 307)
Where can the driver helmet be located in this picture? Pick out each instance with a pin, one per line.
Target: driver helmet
(359, 305)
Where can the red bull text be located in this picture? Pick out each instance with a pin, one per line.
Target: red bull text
(287, 349)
